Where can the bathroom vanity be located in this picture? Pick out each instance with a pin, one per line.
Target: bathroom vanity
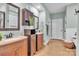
(39, 40)
(14, 46)
(31, 41)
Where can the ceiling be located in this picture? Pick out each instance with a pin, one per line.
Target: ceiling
(38, 6)
(56, 7)
(52, 7)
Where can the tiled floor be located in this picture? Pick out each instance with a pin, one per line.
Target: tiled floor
(56, 48)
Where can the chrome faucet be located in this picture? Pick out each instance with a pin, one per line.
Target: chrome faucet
(10, 35)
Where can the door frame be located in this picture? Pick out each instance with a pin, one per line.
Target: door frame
(63, 34)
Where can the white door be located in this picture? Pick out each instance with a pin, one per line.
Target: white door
(57, 28)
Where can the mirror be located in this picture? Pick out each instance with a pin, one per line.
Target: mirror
(9, 17)
(29, 19)
(12, 17)
(2, 17)
(36, 22)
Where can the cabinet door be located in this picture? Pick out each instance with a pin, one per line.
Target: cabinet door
(22, 50)
(11, 53)
(33, 44)
(39, 41)
(7, 51)
(19, 48)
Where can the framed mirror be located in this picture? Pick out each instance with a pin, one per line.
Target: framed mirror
(2, 20)
(31, 19)
(27, 17)
(12, 21)
(36, 22)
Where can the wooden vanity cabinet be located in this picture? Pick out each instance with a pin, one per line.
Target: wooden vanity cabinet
(39, 40)
(19, 48)
(31, 41)
(33, 44)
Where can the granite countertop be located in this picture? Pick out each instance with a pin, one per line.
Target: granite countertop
(11, 40)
